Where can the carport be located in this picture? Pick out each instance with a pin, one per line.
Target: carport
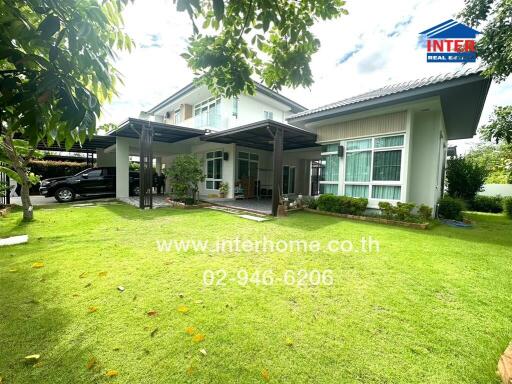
(270, 136)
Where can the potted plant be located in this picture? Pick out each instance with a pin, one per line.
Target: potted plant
(223, 189)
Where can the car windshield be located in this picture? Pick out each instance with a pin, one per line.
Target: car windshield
(84, 171)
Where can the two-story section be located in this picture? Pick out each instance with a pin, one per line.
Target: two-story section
(246, 169)
(195, 107)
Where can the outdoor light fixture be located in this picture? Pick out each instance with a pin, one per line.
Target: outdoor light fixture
(341, 151)
(226, 156)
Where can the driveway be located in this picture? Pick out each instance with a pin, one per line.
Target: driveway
(41, 200)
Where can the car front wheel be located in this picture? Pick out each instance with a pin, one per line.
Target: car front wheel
(64, 195)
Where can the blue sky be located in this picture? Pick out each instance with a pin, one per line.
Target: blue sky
(375, 45)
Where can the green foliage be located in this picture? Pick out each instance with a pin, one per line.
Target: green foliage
(492, 204)
(403, 212)
(224, 188)
(507, 206)
(3, 188)
(495, 45)
(424, 212)
(53, 168)
(271, 39)
(342, 204)
(464, 177)
(450, 208)
(310, 202)
(496, 159)
(56, 66)
(499, 128)
(185, 174)
(24, 153)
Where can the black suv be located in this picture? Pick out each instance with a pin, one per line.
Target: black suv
(91, 182)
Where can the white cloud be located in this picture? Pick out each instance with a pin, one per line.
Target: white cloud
(380, 37)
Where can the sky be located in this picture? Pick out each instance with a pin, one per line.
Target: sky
(375, 45)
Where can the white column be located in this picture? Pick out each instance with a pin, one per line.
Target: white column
(122, 167)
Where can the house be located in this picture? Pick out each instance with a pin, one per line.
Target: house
(389, 144)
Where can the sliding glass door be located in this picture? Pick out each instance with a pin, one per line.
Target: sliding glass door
(288, 179)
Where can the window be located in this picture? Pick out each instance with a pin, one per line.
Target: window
(213, 169)
(330, 163)
(288, 179)
(268, 115)
(247, 166)
(207, 113)
(93, 173)
(373, 168)
(235, 107)
(177, 116)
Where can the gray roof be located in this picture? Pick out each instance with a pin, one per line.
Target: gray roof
(295, 107)
(387, 91)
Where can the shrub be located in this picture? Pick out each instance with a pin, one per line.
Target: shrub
(493, 204)
(342, 204)
(309, 202)
(403, 211)
(185, 173)
(464, 177)
(450, 208)
(387, 209)
(425, 212)
(507, 206)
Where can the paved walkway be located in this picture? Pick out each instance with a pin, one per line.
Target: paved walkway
(41, 200)
(263, 206)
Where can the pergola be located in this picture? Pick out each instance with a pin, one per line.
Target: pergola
(272, 136)
(147, 132)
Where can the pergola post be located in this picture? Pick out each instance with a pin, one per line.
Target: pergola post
(278, 169)
(146, 167)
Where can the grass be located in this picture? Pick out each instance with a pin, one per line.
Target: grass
(431, 307)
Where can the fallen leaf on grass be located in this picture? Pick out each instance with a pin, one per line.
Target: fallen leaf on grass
(203, 352)
(112, 373)
(190, 330)
(289, 342)
(152, 313)
(198, 338)
(38, 265)
(190, 370)
(153, 332)
(265, 374)
(102, 274)
(32, 358)
(92, 309)
(91, 363)
(120, 288)
(82, 275)
(183, 309)
(12, 270)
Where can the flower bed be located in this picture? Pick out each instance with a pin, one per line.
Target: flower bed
(373, 219)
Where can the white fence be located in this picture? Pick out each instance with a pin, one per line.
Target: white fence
(497, 189)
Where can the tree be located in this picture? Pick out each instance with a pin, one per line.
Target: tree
(496, 159)
(56, 68)
(270, 39)
(185, 174)
(495, 46)
(464, 178)
(499, 128)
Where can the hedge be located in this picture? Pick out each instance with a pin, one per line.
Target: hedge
(450, 208)
(493, 204)
(507, 206)
(54, 168)
(342, 204)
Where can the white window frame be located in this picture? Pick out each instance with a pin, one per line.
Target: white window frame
(249, 160)
(268, 115)
(177, 116)
(373, 202)
(294, 179)
(209, 103)
(339, 182)
(213, 179)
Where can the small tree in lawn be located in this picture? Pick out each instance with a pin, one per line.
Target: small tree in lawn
(185, 174)
(464, 177)
(56, 68)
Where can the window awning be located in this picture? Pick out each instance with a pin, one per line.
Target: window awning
(259, 136)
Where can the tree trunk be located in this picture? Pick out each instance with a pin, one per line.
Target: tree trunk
(28, 209)
(18, 164)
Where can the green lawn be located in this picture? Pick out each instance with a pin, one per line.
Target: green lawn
(432, 307)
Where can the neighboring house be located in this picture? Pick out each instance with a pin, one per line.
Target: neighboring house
(389, 144)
